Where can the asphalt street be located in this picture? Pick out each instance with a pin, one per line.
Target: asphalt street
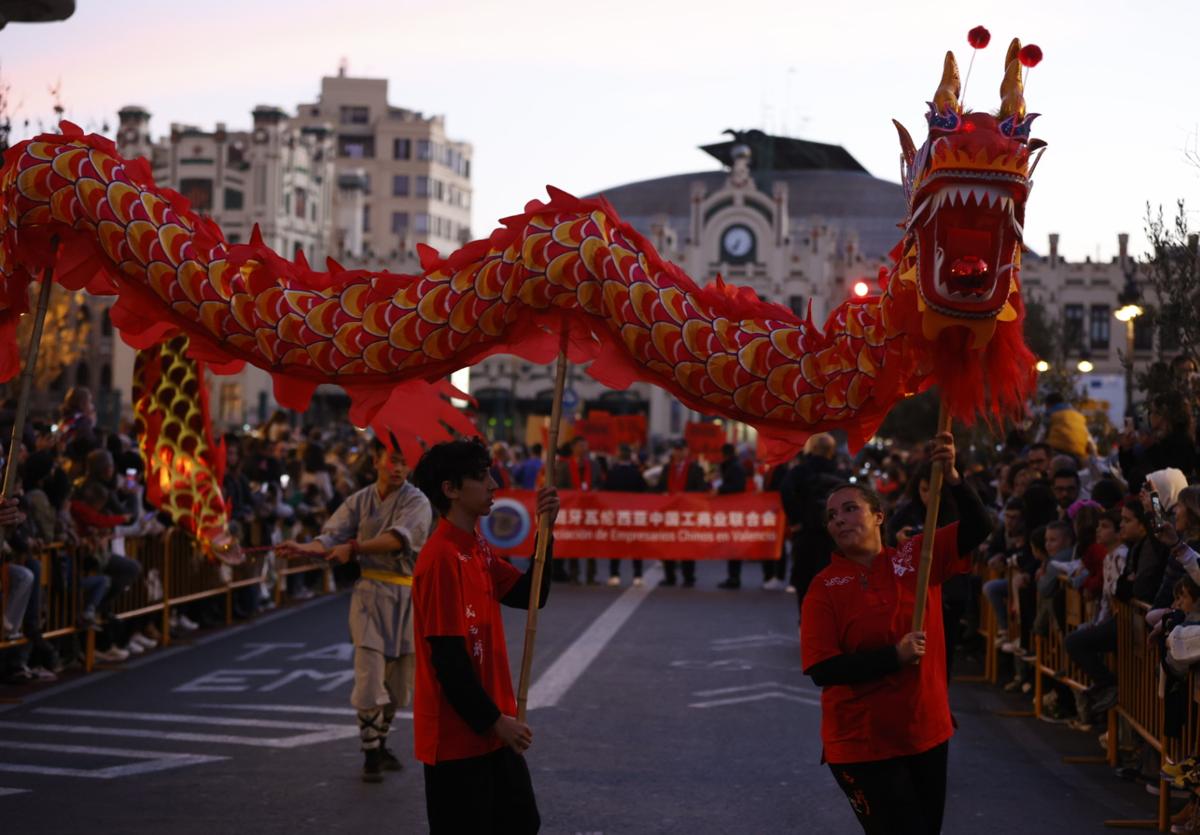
(654, 711)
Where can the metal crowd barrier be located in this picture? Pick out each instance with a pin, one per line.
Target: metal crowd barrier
(174, 572)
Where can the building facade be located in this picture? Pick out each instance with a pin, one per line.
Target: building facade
(277, 175)
(350, 177)
(1081, 300)
(401, 180)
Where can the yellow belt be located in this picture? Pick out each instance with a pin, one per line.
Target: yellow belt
(387, 577)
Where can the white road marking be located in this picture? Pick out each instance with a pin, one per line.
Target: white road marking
(774, 685)
(150, 761)
(750, 641)
(318, 733)
(180, 736)
(4, 790)
(759, 692)
(322, 711)
(183, 718)
(558, 678)
(757, 697)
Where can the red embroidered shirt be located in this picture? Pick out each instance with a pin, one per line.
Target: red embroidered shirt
(850, 609)
(457, 586)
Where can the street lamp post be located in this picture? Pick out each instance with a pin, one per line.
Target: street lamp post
(1130, 308)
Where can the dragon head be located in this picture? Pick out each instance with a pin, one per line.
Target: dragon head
(966, 188)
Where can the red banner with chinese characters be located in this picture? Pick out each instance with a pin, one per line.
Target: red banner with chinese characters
(605, 432)
(704, 438)
(649, 526)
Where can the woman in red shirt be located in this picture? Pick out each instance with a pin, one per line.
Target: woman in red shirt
(885, 713)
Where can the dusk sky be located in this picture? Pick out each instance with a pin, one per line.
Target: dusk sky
(587, 96)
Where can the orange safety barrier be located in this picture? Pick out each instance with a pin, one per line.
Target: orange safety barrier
(174, 571)
(1052, 658)
(1140, 703)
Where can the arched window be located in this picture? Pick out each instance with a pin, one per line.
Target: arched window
(105, 376)
(83, 374)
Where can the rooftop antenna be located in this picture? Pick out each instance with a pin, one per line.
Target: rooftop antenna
(343, 66)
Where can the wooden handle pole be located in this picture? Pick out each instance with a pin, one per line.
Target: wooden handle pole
(544, 527)
(936, 479)
(31, 355)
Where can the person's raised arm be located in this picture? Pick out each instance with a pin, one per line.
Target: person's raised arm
(974, 523)
(518, 595)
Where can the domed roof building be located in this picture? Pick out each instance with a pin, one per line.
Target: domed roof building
(799, 222)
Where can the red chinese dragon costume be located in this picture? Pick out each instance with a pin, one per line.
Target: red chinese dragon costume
(948, 311)
(185, 465)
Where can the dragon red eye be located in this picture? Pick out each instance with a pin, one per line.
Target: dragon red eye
(968, 126)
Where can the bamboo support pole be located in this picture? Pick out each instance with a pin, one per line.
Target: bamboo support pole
(31, 355)
(936, 479)
(544, 528)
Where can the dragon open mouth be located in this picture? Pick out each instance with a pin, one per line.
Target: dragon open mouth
(968, 231)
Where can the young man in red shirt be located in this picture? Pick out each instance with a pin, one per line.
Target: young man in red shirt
(464, 712)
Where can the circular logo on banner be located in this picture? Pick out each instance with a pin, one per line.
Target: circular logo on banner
(507, 525)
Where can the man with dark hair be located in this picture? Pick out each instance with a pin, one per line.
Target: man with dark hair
(733, 480)
(1065, 486)
(805, 489)
(464, 717)
(1038, 458)
(382, 527)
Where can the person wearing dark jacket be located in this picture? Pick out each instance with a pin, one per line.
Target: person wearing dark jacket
(1171, 442)
(805, 489)
(733, 480)
(624, 476)
(909, 520)
(885, 718)
(1147, 560)
(682, 474)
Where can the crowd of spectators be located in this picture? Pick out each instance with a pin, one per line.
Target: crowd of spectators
(81, 500)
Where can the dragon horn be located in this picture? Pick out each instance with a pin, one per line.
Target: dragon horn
(1012, 89)
(907, 147)
(946, 96)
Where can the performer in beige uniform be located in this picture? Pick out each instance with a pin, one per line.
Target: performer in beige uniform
(382, 527)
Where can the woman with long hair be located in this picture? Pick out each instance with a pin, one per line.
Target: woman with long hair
(885, 711)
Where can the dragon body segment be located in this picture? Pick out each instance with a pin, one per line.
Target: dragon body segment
(185, 466)
(948, 310)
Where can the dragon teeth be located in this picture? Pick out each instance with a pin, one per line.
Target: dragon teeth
(979, 195)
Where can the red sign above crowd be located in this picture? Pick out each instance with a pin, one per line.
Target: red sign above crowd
(651, 526)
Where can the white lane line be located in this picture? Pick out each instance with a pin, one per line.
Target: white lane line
(334, 733)
(321, 711)
(150, 761)
(775, 685)
(4, 790)
(558, 678)
(757, 697)
(184, 718)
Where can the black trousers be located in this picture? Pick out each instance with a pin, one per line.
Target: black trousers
(488, 795)
(689, 570)
(900, 796)
(1087, 647)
